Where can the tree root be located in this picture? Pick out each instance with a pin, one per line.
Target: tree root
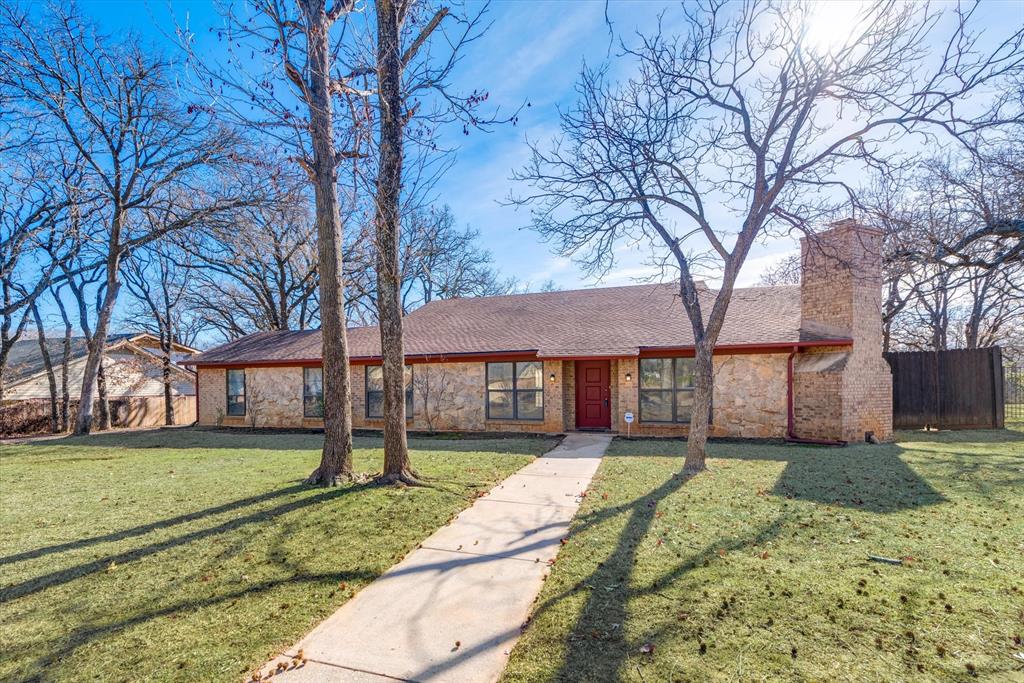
(319, 479)
(694, 471)
(405, 477)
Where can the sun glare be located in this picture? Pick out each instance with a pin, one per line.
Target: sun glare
(830, 23)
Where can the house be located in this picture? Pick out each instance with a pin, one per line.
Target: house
(794, 361)
(133, 368)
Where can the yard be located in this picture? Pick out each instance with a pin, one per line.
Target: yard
(194, 555)
(758, 570)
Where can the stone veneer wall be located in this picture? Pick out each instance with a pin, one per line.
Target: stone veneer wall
(841, 287)
(274, 394)
(749, 398)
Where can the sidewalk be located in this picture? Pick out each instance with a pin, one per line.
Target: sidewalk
(453, 608)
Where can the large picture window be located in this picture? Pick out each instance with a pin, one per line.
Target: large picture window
(666, 389)
(515, 391)
(236, 392)
(312, 392)
(375, 391)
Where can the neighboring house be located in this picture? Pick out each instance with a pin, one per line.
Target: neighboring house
(133, 367)
(798, 361)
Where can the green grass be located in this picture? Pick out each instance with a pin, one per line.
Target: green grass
(194, 555)
(758, 570)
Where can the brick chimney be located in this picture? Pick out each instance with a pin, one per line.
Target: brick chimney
(841, 297)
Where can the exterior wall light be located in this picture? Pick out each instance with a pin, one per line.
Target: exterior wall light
(629, 376)
(552, 377)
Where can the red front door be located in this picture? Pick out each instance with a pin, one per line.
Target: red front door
(593, 394)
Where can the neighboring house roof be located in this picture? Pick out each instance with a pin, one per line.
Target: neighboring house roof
(608, 321)
(25, 359)
(25, 362)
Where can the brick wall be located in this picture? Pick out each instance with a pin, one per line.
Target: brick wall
(841, 292)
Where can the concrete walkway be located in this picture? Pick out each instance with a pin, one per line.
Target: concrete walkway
(453, 608)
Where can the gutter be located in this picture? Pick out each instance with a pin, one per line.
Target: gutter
(791, 436)
(528, 354)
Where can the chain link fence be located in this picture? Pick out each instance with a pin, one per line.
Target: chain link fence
(1013, 392)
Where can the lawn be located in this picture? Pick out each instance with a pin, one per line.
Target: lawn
(195, 555)
(758, 570)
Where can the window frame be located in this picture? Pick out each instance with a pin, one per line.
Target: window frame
(227, 392)
(305, 412)
(513, 392)
(673, 392)
(409, 394)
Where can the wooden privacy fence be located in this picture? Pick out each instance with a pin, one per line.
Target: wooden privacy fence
(954, 389)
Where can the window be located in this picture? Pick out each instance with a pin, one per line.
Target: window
(515, 391)
(312, 392)
(375, 391)
(666, 389)
(236, 392)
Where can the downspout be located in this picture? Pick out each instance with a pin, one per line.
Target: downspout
(791, 436)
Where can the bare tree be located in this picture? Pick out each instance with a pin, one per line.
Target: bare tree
(439, 261)
(65, 360)
(51, 379)
(741, 126)
(33, 235)
(785, 271)
(406, 72)
(380, 69)
(118, 107)
(280, 55)
(978, 200)
(158, 278)
(258, 269)
(937, 296)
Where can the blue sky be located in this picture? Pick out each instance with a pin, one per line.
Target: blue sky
(533, 52)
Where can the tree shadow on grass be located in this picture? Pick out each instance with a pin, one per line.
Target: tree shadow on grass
(90, 633)
(186, 438)
(63, 576)
(874, 479)
(152, 526)
(596, 648)
(987, 436)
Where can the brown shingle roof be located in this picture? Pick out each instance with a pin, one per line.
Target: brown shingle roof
(608, 321)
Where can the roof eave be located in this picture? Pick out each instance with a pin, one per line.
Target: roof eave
(528, 354)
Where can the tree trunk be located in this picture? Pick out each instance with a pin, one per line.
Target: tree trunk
(700, 416)
(48, 365)
(98, 342)
(83, 421)
(65, 364)
(336, 459)
(168, 395)
(397, 467)
(102, 398)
